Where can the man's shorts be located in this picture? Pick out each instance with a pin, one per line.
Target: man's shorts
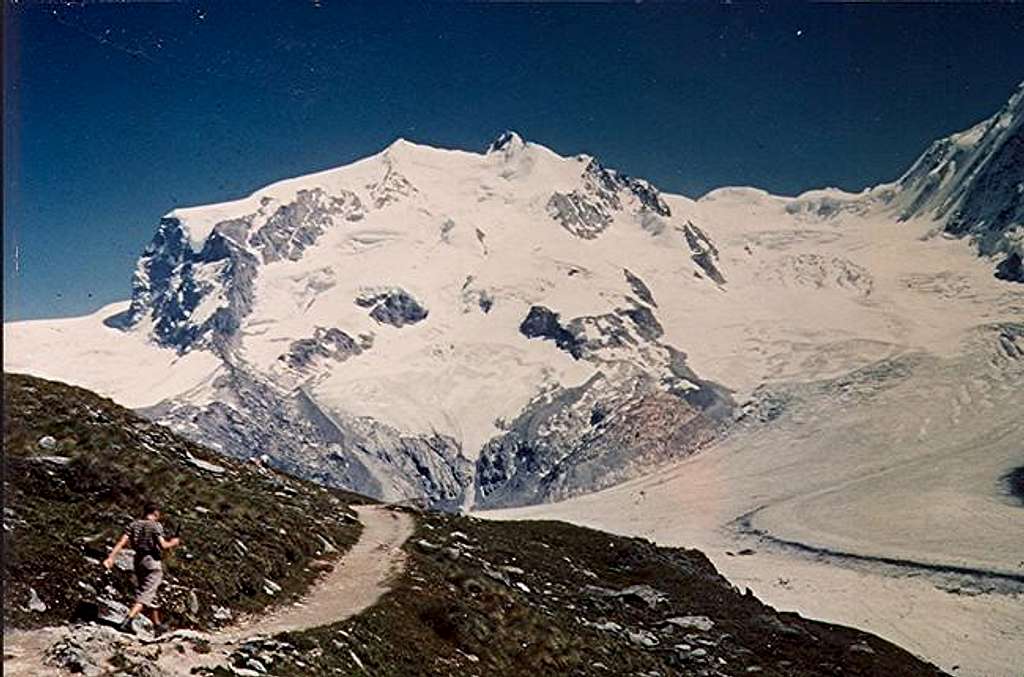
(149, 573)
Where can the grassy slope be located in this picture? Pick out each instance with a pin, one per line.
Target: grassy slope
(239, 526)
(452, 614)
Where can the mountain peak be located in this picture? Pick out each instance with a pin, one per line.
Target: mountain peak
(972, 180)
(506, 141)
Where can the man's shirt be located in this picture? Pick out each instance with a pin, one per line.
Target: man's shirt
(144, 536)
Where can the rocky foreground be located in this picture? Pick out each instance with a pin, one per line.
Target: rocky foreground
(547, 598)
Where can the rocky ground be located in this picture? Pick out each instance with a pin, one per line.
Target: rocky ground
(540, 598)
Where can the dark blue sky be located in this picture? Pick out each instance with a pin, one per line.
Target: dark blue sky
(115, 114)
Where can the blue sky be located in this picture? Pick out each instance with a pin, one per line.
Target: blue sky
(115, 114)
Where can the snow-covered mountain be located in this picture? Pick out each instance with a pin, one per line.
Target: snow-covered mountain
(971, 184)
(516, 326)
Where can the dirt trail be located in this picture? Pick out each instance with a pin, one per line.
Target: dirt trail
(354, 584)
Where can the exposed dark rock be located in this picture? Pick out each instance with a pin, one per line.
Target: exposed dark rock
(581, 216)
(297, 225)
(300, 437)
(392, 187)
(703, 252)
(542, 322)
(973, 180)
(507, 141)
(647, 324)
(648, 195)
(644, 407)
(330, 343)
(1014, 481)
(588, 210)
(1011, 268)
(171, 281)
(396, 307)
(552, 450)
(642, 291)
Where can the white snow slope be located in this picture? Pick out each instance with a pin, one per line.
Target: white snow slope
(878, 363)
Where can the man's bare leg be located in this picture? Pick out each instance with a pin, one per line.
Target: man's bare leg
(126, 624)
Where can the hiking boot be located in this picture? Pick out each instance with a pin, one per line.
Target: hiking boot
(125, 626)
(161, 629)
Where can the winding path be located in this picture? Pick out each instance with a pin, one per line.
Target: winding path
(357, 581)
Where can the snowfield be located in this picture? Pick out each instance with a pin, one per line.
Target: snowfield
(82, 351)
(822, 392)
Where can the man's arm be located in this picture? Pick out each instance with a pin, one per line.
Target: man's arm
(168, 543)
(165, 543)
(118, 547)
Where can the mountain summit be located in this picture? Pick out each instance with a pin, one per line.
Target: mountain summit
(519, 326)
(974, 182)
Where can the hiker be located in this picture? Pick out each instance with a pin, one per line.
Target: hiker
(146, 537)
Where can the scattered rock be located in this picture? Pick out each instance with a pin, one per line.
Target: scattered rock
(607, 626)
(861, 647)
(643, 638)
(702, 623)
(256, 665)
(143, 628)
(781, 627)
(47, 442)
(244, 672)
(68, 654)
(205, 465)
(52, 460)
(427, 546)
(328, 547)
(34, 602)
(642, 593)
(499, 576)
(111, 612)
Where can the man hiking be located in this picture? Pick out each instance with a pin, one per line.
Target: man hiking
(146, 537)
